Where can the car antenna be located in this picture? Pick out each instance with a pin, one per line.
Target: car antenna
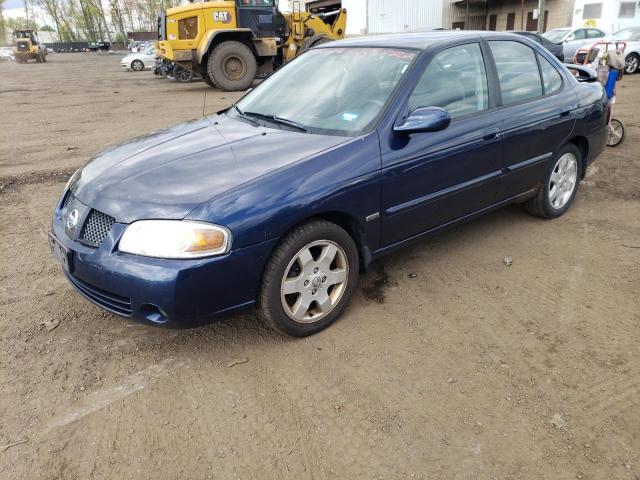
(204, 102)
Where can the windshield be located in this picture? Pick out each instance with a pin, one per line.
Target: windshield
(150, 51)
(338, 91)
(628, 34)
(556, 35)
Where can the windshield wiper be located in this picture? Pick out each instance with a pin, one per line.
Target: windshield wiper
(245, 116)
(276, 119)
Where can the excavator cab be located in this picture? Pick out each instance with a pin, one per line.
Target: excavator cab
(260, 16)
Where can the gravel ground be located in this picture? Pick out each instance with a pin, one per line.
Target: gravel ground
(448, 364)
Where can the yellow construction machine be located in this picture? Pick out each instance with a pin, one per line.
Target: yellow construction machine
(26, 47)
(230, 42)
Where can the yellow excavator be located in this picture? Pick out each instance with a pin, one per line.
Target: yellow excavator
(230, 43)
(27, 47)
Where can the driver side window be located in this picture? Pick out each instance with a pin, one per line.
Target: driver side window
(579, 34)
(455, 80)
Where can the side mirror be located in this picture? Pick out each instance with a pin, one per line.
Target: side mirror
(424, 119)
(570, 38)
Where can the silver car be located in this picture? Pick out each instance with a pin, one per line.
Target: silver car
(572, 39)
(631, 35)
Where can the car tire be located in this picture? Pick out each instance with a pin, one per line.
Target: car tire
(207, 79)
(559, 186)
(319, 290)
(137, 65)
(632, 63)
(232, 66)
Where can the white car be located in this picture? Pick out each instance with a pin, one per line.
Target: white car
(572, 39)
(630, 35)
(6, 55)
(139, 61)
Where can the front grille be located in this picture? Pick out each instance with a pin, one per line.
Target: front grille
(110, 301)
(96, 228)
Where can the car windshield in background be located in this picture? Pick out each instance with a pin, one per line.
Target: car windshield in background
(556, 35)
(628, 35)
(338, 91)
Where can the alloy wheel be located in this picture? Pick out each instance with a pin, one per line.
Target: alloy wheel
(562, 183)
(631, 65)
(314, 281)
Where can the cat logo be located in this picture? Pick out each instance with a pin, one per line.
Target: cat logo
(222, 17)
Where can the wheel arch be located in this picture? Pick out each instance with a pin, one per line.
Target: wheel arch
(344, 220)
(216, 37)
(582, 144)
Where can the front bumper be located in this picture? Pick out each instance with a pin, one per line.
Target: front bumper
(172, 293)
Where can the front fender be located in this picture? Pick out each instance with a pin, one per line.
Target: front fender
(211, 36)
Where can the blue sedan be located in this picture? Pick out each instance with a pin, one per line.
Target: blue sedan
(352, 150)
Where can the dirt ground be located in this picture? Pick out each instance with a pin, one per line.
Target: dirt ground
(448, 364)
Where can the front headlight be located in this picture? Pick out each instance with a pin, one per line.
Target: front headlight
(175, 239)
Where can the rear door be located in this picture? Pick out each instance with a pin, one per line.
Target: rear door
(537, 105)
(432, 178)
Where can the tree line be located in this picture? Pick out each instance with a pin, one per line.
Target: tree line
(90, 20)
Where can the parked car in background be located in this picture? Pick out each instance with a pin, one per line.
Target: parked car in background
(348, 152)
(139, 61)
(572, 39)
(99, 46)
(631, 36)
(6, 55)
(554, 48)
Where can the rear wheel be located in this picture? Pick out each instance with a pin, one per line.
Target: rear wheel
(232, 66)
(559, 186)
(631, 63)
(616, 133)
(312, 42)
(309, 279)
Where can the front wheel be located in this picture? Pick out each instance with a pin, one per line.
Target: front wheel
(232, 66)
(137, 65)
(559, 186)
(309, 279)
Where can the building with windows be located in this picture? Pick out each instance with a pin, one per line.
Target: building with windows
(394, 16)
(609, 15)
(509, 14)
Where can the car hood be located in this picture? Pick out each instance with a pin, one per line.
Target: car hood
(168, 173)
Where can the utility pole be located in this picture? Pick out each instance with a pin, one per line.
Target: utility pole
(541, 16)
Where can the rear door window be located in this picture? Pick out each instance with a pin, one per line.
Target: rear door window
(455, 80)
(518, 72)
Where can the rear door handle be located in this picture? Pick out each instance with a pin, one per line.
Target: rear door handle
(491, 134)
(566, 112)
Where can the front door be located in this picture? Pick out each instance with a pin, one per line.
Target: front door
(432, 178)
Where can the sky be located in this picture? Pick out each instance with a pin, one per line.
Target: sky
(15, 8)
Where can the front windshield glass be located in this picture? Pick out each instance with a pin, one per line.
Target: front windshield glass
(150, 51)
(556, 35)
(338, 91)
(628, 35)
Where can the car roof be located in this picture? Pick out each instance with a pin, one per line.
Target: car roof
(415, 40)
